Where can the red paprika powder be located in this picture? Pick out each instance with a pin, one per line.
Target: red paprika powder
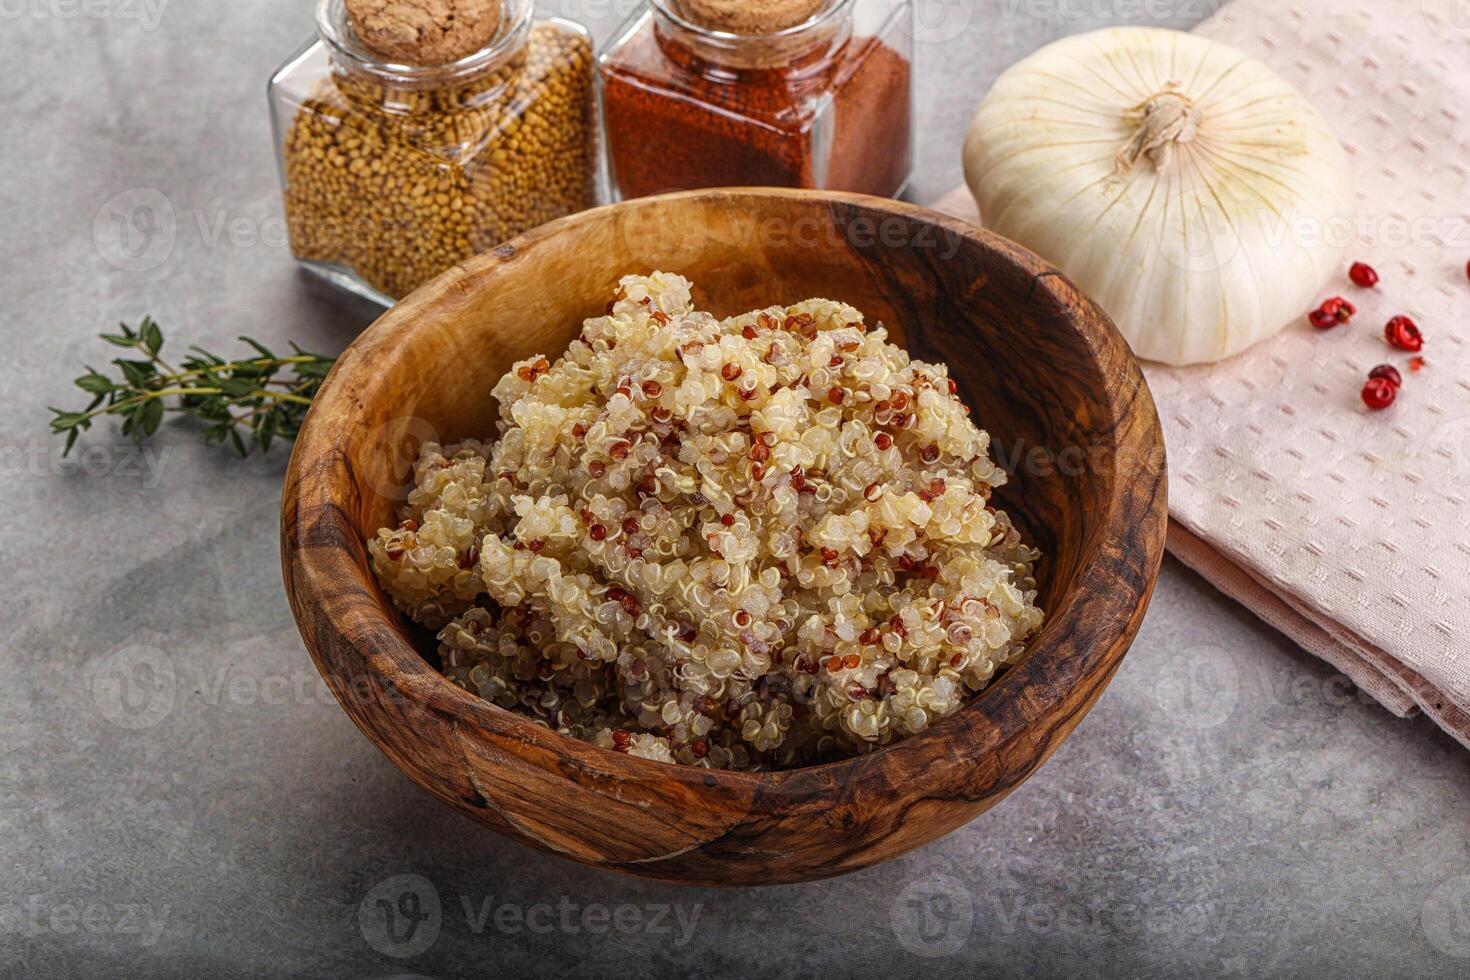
(818, 105)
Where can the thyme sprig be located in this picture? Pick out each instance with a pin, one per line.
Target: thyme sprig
(261, 398)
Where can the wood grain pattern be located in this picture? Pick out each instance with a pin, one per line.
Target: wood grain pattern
(1043, 370)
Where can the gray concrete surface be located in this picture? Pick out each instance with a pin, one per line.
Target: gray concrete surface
(179, 798)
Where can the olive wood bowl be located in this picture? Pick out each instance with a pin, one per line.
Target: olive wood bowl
(1043, 370)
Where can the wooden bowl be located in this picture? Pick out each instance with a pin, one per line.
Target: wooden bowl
(1044, 371)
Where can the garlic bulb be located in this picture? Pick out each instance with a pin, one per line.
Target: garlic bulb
(1184, 186)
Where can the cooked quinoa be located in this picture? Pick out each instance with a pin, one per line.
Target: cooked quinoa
(748, 543)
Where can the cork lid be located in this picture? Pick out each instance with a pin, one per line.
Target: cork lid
(424, 32)
(749, 17)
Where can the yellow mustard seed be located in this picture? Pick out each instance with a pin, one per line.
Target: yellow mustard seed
(398, 184)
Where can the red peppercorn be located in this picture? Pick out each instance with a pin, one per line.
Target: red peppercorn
(727, 519)
(1389, 373)
(1322, 320)
(1339, 308)
(1404, 334)
(1363, 274)
(1379, 393)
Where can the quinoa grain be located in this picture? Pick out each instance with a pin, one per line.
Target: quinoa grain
(650, 588)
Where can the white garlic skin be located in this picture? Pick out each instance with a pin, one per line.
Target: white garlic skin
(1216, 240)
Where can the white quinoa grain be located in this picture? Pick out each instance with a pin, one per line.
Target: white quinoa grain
(756, 542)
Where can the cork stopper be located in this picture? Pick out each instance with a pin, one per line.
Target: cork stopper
(424, 32)
(749, 17)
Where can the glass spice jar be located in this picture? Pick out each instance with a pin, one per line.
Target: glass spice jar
(393, 173)
(826, 103)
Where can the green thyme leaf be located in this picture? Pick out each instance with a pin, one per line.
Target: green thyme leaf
(249, 403)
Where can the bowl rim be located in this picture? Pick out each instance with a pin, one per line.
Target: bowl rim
(391, 657)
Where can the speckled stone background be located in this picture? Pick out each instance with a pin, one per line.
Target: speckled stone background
(179, 797)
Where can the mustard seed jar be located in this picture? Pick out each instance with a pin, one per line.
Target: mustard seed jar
(393, 173)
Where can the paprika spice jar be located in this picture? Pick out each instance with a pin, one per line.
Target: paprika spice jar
(703, 93)
(407, 147)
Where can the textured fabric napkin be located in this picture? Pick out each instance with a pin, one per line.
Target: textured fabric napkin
(1349, 530)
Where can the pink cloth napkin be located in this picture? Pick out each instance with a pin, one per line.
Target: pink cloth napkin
(1349, 530)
